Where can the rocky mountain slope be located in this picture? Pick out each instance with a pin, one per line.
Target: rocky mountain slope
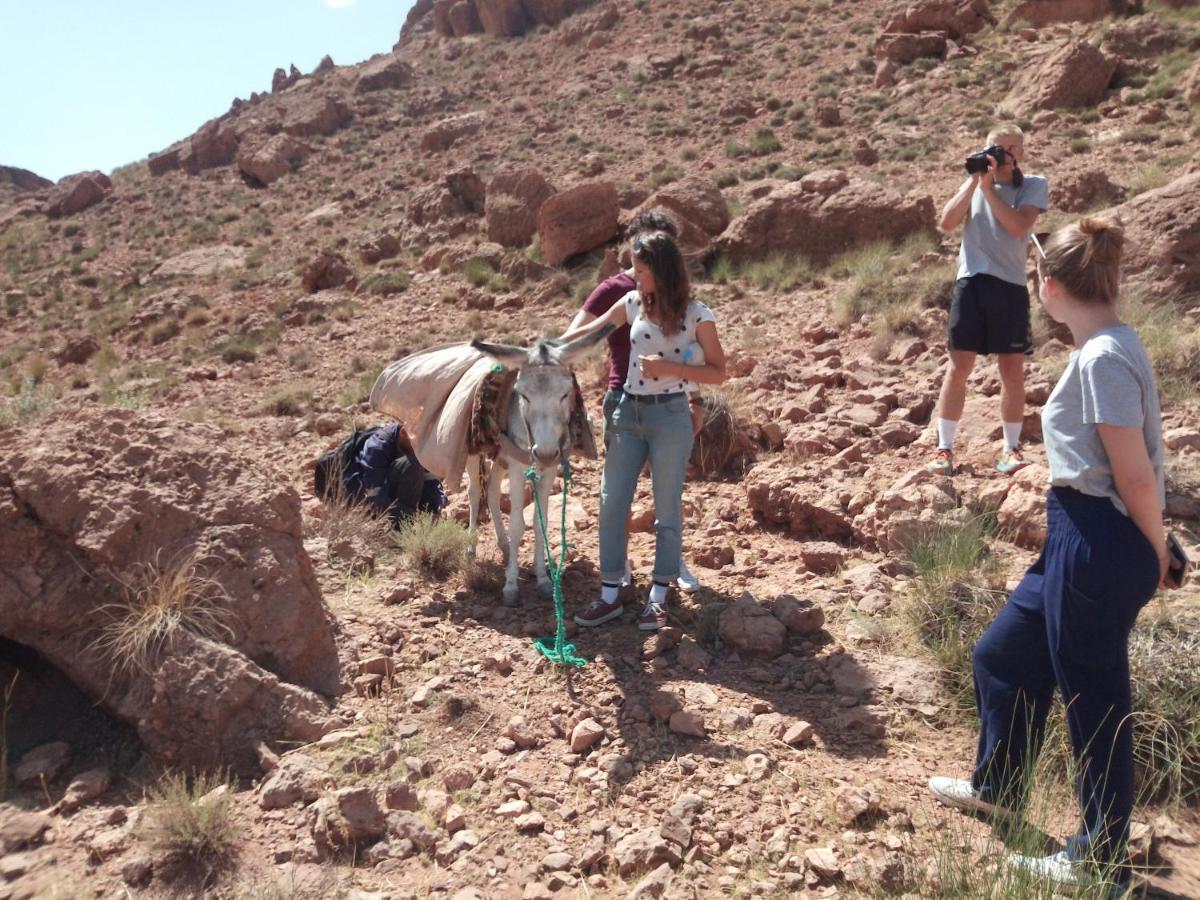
(183, 336)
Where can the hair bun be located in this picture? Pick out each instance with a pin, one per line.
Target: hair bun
(1106, 238)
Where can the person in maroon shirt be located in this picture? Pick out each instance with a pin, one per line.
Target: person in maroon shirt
(602, 298)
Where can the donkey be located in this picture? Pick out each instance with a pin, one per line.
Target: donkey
(536, 434)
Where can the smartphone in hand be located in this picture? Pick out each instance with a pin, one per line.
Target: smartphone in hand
(1178, 566)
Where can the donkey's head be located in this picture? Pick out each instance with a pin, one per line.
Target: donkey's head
(543, 395)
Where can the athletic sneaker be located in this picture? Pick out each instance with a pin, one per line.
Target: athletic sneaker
(686, 582)
(653, 617)
(1011, 461)
(599, 612)
(1067, 875)
(942, 463)
(960, 794)
(627, 579)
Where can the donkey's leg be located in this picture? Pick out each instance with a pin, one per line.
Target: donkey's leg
(495, 487)
(516, 529)
(545, 588)
(473, 494)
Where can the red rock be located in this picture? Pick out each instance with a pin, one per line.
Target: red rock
(664, 704)
(328, 270)
(577, 220)
(269, 160)
(513, 200)
(749, 627)
(23, 179)
(585, 735)
(1071, 74)
(957, 18)
(162, 163)
(1162, 234)
(463, 18)
(75, 193)
(502, 18)
(385, 71)
(798, 616)
(91, 502)
(687, 722)
(798, 733)
(214, 144)
(1022, 515)
(793, 220)
(1048, 12)
(699, 209)
(642, 850)
(902, 49)
(443, 135)
(309, 114)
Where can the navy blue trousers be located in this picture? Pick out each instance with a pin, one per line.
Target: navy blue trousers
(1067, 626)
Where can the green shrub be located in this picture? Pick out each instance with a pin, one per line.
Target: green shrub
(480, 273)
(384, 284)
(436, 546)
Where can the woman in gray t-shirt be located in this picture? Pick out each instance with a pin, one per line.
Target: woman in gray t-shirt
(1067, 624)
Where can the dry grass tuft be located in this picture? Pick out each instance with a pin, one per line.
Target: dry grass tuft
(436, 546)
(191, 820)
(164, 598)
(720, 440)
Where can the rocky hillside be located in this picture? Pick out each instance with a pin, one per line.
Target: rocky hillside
(182, 336)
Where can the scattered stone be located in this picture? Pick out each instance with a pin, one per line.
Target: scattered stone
(823, 861)
(798, 734)
(136, 871)
(84, 787)
(351, 817)
(758, 766)
(643, 849)
(653, 885)
(750, 628)
(42, 764)
(687, 722)
(798, 616)
(401, 795)
(853, 805)
(585, 735)
(531, 821)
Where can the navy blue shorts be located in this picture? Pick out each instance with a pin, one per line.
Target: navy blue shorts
(990, 315)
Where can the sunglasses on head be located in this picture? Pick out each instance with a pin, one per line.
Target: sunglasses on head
(1038, 244)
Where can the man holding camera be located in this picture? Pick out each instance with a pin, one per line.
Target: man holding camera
(990, 310)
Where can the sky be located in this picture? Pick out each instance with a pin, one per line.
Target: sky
(96, 84)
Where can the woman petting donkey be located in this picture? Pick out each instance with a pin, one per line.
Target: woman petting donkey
(1067, 624)
(652, 419)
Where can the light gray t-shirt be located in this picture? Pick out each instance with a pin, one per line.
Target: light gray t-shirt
(1110, 381)
(987, 249)
(647, 339)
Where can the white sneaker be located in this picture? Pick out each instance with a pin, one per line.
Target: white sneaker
(960, 794)
(1058, 869)
(686, 581)
(627, 580)
(1067, 875)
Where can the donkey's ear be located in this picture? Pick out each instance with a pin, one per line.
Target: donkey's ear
(513, 357)
(569, 351)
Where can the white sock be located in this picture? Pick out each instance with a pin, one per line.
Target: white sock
(658, 593)
(608, 592)
(1012, 435)
(945, 430)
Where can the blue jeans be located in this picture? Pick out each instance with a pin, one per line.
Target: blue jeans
(661, 432)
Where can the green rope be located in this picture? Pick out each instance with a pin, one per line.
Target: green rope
(555, 649)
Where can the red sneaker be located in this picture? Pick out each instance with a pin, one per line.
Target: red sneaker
(942, 463)
(653, 617)
(599, 612)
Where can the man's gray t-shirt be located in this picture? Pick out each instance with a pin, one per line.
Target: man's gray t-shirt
(987, 249)
(1110, 381)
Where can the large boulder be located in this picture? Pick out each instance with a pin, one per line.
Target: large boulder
(444, 134)
(793, 219)
(453, 196)
(905, 48)
(957, 18)
(1162, 234)
(463, 18)
(578, 220)
(269, 160)
(1071, 74)
(307, 114)
(385, 71)
(1049, 12)
(118, 496)
(502, 18)
(214, 144)
(76, 193)
(514, 197)
(699, 208)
